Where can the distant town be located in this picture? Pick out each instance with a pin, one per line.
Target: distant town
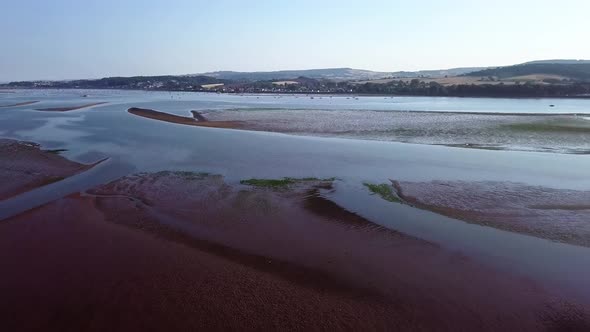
(551, 78)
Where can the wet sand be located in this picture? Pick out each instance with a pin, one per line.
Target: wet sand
(24, 166)
(554, 214)
(197, 119)
(187, 251)
(71, 108)
(544, 132)
(24, 103)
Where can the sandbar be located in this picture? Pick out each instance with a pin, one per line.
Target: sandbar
(68, 108)
(555, 214)
(197, 120)
(24, 166)
(24, 103)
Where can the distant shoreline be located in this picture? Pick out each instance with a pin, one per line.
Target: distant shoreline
(295, 93)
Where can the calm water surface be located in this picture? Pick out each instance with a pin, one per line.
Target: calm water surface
(135, 144)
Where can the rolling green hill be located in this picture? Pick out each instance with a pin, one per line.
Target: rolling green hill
(569, 71)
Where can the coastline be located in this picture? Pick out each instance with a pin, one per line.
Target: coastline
(312, 93)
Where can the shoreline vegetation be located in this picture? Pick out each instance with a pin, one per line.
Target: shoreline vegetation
(384, 191)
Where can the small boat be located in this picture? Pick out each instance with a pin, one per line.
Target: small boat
(551, 105)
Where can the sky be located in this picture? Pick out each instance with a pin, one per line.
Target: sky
(70, 39)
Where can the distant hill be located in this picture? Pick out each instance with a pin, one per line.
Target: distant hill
(341, 74)
(337, 74)
(437, 73)
(558, 61)
(577, 71)
(545, 78)
(167, 82)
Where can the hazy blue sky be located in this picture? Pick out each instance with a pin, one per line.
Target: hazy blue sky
(79, 39)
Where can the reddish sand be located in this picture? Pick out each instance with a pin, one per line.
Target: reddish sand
(24, 103)
(510, 206)
(174, 251)
(197, 119)
(24, 166)
(70, 108)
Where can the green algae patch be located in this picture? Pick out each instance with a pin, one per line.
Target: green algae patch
(281, 183)
(384, 190)
(562, 126)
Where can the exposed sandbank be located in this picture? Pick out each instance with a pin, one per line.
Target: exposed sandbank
(560, 133)
(24, 166)
(189, 251)
(197, 119)
(70, 108)
(554, 214)
(24, 103)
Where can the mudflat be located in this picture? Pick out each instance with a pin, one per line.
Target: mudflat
(555, 214)
(24, 166)
(188, 251)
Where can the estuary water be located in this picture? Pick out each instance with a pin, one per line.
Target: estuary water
(134, 144)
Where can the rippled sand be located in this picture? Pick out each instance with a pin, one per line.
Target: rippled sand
(555, 214)
(553, 133)
(188, 251)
